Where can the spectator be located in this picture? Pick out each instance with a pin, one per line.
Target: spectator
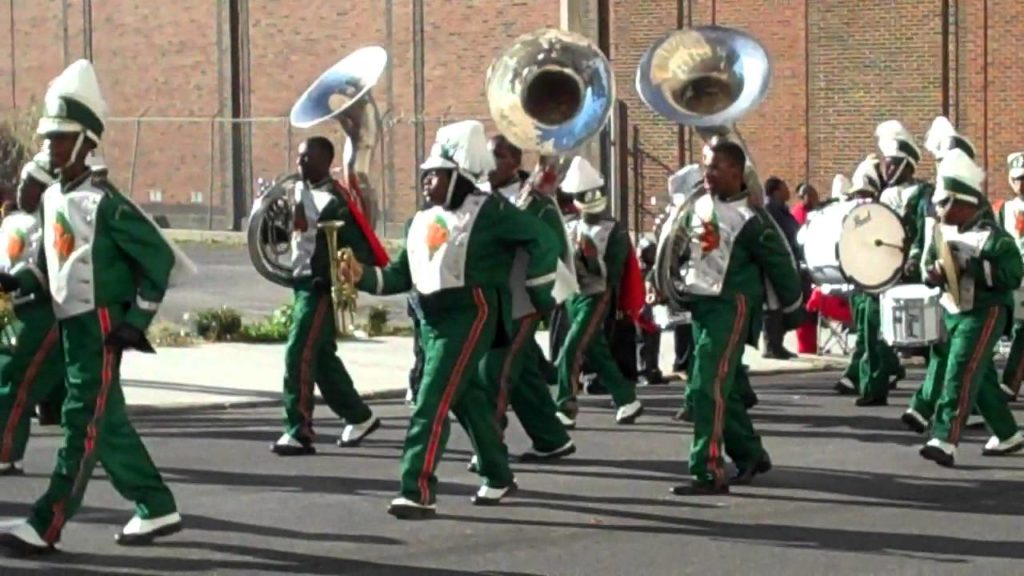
(777, 194)
(809, 200)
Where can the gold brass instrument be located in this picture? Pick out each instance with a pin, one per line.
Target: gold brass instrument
(707, 77)
(342, 93)
(948, 263)
(343, 293)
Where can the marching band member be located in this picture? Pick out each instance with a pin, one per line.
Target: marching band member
(722, 324)
(36, 366)
(457, 258)
(1011, 219)
(514, 370)
(942, 137)
(989, 267)
(602, 253)
(311, 352)
(106, 266)
(873, 365)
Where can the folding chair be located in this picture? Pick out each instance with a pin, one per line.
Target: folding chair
(835, 320)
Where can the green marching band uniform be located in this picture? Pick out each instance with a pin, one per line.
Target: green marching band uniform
(514, 370)
(601, 247)
(457, 258)
(725, 307)
(35, 369)
(311, 352)
(989, 269)
(942, 138)
(1011, 219)
(106, 266)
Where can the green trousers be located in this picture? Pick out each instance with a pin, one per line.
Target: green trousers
(873, 361)
(970, 378)
(586, 340)
(1013, 373)
(97, 430)
(311, 358)
(741, 386)
(515, 376)
(34, 373)
(454, 345)
(925, 400)
(720, 329)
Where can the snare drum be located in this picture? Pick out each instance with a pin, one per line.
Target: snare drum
(819, 239)
(911, 316)
(871, 247)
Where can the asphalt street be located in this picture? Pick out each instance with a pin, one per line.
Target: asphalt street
(227, 278)
(848, 495)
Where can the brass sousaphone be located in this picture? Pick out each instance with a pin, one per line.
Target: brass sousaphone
(707, 77)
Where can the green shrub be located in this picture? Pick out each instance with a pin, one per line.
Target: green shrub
(377, 321)
(17, 144)
(217, 324)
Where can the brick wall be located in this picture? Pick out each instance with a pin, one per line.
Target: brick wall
(840, 67)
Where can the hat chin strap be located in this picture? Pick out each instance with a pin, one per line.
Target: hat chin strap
(451, 188)
(74, 151)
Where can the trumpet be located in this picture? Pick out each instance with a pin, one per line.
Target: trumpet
(343, 293)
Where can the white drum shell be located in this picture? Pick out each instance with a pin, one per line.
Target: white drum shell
(819, 239)
(871, 247)
(911, 316)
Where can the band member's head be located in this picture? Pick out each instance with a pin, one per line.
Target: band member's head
(586, 186)
(508, 159)
(315, 156)
(36, 176)
(867, 178)
(74, 118)
(724, 169)
(958, 193)
(458, 160)
(900, 154)
(1016, 163)
(808, 194)
(943, 137)
(777, 189)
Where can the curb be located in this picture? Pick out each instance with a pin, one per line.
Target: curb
(150, 409)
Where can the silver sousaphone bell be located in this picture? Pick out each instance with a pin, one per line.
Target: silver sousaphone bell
(343, 93)
(707, 77)
(550, 91)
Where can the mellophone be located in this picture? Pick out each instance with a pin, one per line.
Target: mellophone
(863, 245)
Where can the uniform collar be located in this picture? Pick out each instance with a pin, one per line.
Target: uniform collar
(324, 184)
(739, 196)
(72, 184)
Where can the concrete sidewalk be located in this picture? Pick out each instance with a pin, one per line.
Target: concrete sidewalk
(241, 375)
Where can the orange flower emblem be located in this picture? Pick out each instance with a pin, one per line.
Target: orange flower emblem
(437, 235)
(1018, 223)
(15, 245)
(710, 239)
(63, 237)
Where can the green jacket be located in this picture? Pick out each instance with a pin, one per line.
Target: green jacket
(99, 250)
(492, 230)
(324, 205)
(996, 271)
(914, 222)
(600, 249)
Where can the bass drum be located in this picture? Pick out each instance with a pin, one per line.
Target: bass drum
(819, 241)
(872, 247)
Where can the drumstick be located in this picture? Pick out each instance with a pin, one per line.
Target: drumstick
(879, 242)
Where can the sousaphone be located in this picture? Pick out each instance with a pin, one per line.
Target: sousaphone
(342, 93)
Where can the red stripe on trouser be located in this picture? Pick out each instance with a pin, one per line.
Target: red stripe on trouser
(305, 379)
(1018, 374)
(525, 329)
(581, 349)
(449, 392)
(91, 433)
(964, 404)
(27, 381)
(714, 457)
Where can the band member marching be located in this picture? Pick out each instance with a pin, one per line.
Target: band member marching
(311, 353)
(36, 366)
(457, 258)
(977, 286)
(602, 253)
(514, 370)
(106, 266)
(1011, 218)
(722, 323)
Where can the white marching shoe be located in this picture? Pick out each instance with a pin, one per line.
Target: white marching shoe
(569, 423)
(940, 452)
(353, 434)
(628, 414)
(11, 468)
(139, 532)
(405, 509)
(487, 496)
(996, 448)
(21, 539)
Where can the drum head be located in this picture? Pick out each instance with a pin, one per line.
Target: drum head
(871, 247)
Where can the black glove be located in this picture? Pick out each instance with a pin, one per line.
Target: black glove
(321, 285)
(8, 283)
(128, 336)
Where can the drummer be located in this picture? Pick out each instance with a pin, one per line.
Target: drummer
(990, 268)
(1011, 218)
(873, 366)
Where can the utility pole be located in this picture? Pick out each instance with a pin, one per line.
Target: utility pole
(419, 95)
(87, 29)
(238, 179)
